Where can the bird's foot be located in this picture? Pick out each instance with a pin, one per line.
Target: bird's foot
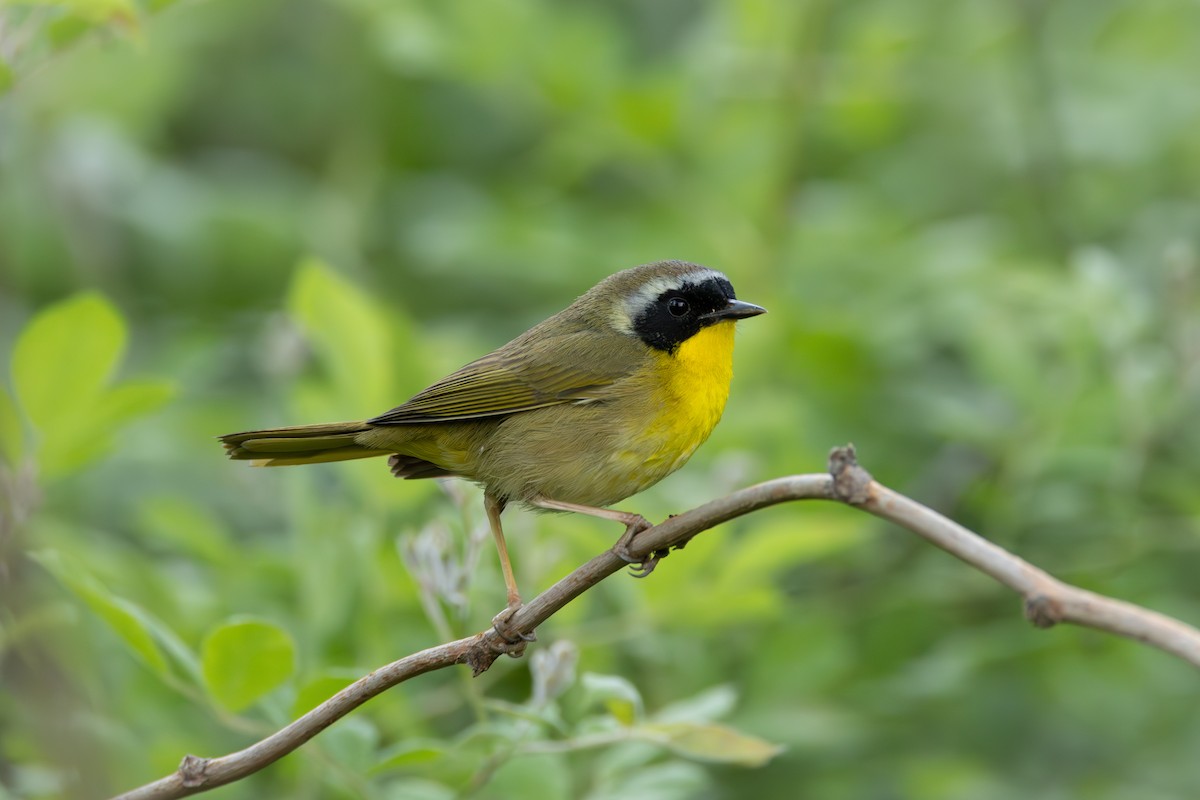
(502, 624)
(641, 565)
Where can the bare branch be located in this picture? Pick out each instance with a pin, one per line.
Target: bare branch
(1047, 601)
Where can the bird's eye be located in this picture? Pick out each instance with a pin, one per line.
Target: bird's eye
(678, 306)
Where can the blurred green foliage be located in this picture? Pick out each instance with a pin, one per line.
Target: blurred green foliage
(974, 223)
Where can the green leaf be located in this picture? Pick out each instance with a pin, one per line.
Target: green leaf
(101, 10)
(77, 18)
(6, 77)
(244, 659)
(64, 358)
(128, 621)
(350, 335)
(81, 439)
(618, 695)
(62, 364)
(64, 30)
(60, 454)
(132, 399)
(708, 741)
(170, 642)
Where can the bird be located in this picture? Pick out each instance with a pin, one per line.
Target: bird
(585, 409)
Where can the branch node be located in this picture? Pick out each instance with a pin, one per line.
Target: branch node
(480, 658)
(489, 646)
(1043, 610)
(191, 771)
(851, 483)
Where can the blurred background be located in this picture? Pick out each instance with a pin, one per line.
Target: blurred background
(975, 225)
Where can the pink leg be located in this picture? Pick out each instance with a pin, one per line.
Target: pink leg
(634, 524)
(501, 621)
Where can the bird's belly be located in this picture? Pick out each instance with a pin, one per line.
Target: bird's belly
(681, 423)
(603, 475)
(645, 462)
(599, 453)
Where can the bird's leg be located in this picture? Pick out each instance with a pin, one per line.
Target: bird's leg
(494, 506)
(634, 524)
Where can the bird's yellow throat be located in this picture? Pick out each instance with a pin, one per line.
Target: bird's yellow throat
(697, 385)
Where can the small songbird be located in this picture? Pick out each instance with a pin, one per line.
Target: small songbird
(596, 403)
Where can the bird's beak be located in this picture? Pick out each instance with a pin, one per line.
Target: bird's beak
(734, 309)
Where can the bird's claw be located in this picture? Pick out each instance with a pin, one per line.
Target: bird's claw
(644, 565)
(502, 625)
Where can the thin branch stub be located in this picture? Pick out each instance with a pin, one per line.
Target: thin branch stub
(191, 770)
(1042, 610)
(851, 483)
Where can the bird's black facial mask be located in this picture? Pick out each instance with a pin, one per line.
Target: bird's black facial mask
(678, 314)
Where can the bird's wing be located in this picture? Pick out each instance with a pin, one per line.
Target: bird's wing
(572, 367)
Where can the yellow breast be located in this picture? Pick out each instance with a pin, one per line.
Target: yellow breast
(697, 383)
(693, 385)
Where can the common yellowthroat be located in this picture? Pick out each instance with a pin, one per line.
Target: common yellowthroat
(598, 402)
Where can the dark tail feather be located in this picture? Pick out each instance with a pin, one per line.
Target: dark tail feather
(412, 468)
(301, 444)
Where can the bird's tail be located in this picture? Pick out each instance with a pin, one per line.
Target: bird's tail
(301, 444)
